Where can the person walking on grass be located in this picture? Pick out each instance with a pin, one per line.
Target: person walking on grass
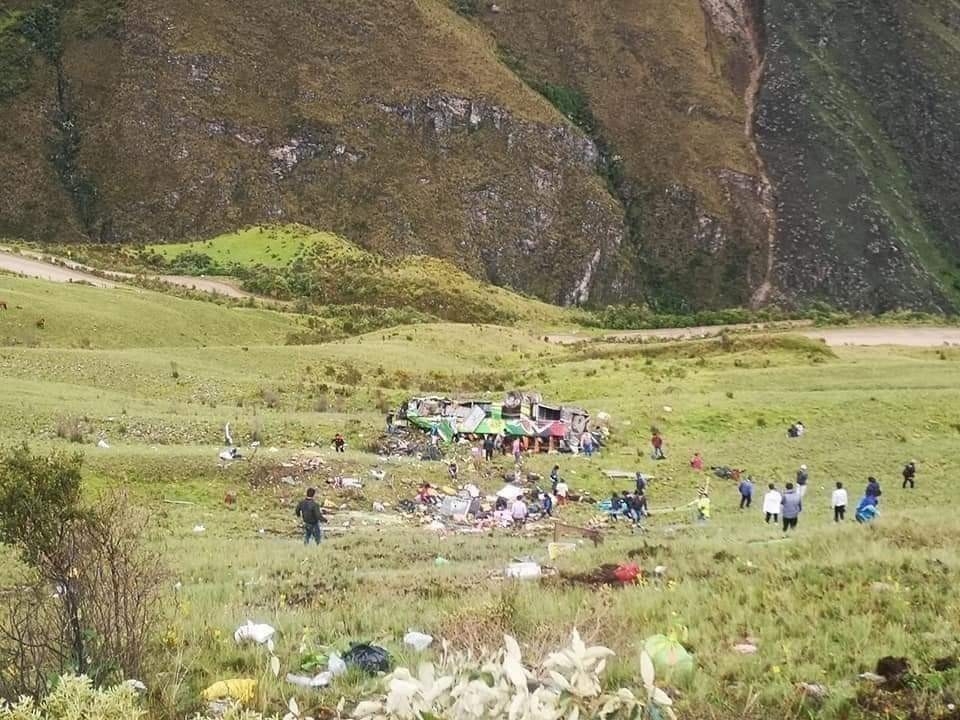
(309, 512)
(873, 489)
(910, 474)
(746, 492)
(802, 478)
(790, 507)
(839, 503)
(771, 504)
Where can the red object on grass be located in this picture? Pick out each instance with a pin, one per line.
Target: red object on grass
(627, 573)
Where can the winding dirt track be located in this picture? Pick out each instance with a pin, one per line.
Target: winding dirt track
(73, 272)
(835, 337)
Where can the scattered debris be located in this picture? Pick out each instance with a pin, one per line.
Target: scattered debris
(945, 663)
(199, 529)
(335, 665)
(607, 574)
(813, 690)
(320, 680)
(136, 685)
(259, 633)
(555, 549)
(670, 658)
(894, 671)
(523, 571)
(417, 640)
(103, 444)
(879, 587)
(240, 689)
(872, 677)
(746, 648)
(369, 658)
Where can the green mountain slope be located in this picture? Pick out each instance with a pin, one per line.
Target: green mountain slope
(686, 154)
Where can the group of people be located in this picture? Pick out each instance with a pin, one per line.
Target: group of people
(786, 507)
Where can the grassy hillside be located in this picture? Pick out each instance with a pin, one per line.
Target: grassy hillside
(80, 316)
(889, 592)
(278, 248)
(295, 262)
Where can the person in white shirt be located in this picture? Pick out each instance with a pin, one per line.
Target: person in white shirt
(839, 502)
(519, 511)
(562, 490)
(771, 504)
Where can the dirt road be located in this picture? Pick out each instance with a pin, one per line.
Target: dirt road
(74, 272)
(834, 337)
(31, 267)
(903, 336)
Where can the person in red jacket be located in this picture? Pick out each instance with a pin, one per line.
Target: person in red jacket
(696, 462)
(657, 442)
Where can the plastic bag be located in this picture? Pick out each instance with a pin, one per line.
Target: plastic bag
(240, 689)
(335, 665)
(369, 658)
(317, 681)
(523, 571)
(670, 658)
(253, 632)
(417, 640)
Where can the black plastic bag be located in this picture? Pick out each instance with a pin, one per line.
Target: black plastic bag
(369, 658)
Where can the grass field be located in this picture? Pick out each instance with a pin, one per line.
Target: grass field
(272, 247)
(822, 605)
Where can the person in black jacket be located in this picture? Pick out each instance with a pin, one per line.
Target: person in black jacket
(309, 512)
(909, 473)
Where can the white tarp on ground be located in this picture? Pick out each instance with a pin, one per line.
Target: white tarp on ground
(510, 492)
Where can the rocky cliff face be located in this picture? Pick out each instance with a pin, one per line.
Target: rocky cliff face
(856, 123)
(697, 153)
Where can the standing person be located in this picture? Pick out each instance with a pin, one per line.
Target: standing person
(311, 515)
(453, 470)
(696, 462)
(910, 473)
(873, 489)
(518, 511)
(746, 492)
(771, 503)
(546, 504)
(489, 443)
(791, 505)
(839, 502)
(702, 504)
(803, 476)
(637, 506)
(554, 478)
(657, 443)
(339, 442)
(562, 490)
(517, 450)
(641, 482)
(586, 443)
(476, 456)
